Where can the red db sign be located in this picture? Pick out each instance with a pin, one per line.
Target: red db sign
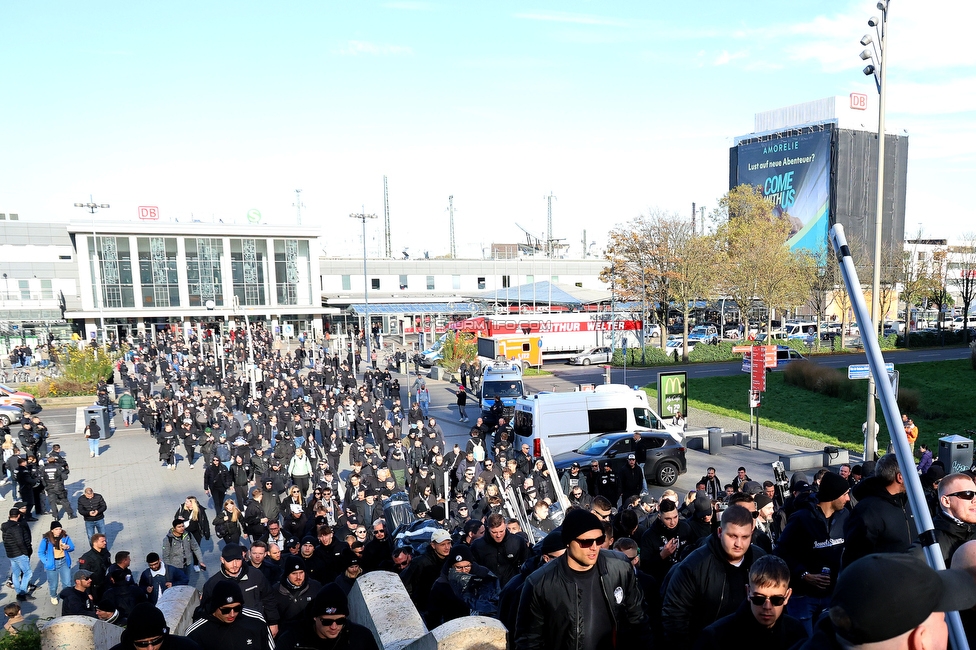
(859, 101)
(148, 212)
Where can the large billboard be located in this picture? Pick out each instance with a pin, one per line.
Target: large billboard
(794, 175)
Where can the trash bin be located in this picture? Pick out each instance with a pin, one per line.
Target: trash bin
(714, 440)
(100, 413)
(955, 453)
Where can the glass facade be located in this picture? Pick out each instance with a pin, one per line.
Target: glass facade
(292, 271)
(203, 257)
(111, 265)
(249, 260)
(158, 272)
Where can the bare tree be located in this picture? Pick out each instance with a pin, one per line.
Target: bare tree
(939, 292)
(965, 281)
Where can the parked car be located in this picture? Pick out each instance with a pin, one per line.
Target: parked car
(784, 356)
(664, 455)
(652, 330)
(15, 397)
(10, 414)
(771, 337)
(704, 334)
(676, 344)
(593, 355)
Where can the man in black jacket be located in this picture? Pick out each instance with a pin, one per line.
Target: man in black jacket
(759, 620)
(17, 545)
(92, 507)
(77, 600)
(500, 551)
(257, 594)
(228, 624)
(586, 594)
(882, 521)
(955, 521)
(661, 545)
(812, 544)
(631, 478)
(423, 571)
(711, 582)
(96, 560)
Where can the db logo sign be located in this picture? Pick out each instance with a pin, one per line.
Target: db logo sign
(148, 212)
(859, 101)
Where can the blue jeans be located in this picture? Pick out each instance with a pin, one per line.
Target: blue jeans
(92, 448)
(61, 570)
(92, 527)
(21, 572)
(807, 609)
(425, 409)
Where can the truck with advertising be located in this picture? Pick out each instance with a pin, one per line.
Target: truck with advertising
(501, 380)
(563, 335)
(524, 350)
(564, 421)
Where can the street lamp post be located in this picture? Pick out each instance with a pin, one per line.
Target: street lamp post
(362, 216)
(93, 207)
(876, 55)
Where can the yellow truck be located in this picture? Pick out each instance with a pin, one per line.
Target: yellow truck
(526, 350)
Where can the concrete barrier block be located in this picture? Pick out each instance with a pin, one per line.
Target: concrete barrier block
(467, 633)
(177, 605)
(79, 633)
(807, 460)
(380, 602)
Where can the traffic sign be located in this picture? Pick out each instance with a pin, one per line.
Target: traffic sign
(758, 369)
(742, 349)
(863, 370)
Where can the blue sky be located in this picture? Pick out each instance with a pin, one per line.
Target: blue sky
(212, 109)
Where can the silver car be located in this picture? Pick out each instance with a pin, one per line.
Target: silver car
(10, 414)
(593, 355)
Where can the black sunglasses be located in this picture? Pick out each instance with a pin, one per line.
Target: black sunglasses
(587, 543)
(759, 600)
(231, 608)
(965, 494)
(329, 622)
(148, 642)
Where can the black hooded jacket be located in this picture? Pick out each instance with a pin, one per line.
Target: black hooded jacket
(881, 523)
(951, 534)
(811, 543)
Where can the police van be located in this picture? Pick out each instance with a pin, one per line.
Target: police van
(501, 380)
(564, 421)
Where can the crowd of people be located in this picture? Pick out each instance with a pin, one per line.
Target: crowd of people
(304, 481)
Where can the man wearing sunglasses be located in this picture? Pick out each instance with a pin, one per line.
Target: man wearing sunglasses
(954, 522)
(327, 626)
(228, 624)
(147, 630)
(760, 616)
(586, 594)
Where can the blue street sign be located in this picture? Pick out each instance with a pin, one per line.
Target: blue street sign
(863, 370)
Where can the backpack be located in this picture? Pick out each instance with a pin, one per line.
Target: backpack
(478, 450)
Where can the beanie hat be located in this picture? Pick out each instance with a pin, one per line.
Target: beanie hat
(349, 558)
(145, 622)
(291, 564)
(578, 522)
(832, 486)
(762, 501)
(553, 542)
(460, 553)
(703, 505)
(56, 524)
(331, 601)
(225, 592)
(437, 512)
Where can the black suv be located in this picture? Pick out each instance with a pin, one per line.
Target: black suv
(663, 461)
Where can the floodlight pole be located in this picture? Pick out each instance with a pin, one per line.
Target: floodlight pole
(889, 405)
(362, 216)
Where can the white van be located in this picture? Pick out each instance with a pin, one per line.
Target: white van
(567, 420)
(800, 329)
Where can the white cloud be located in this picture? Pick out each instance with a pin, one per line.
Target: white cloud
(355, 48)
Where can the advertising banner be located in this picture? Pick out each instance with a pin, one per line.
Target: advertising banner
(794, 175)
(672, 394)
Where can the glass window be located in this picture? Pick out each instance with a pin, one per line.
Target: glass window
(506, 281)
(249, 265)
(24, 289)
(375, 283)
(203, 274)
(481, 283)
(607, 420)
(403, 282)
(555, 279)
(111, 266)
(430, 283)
(347, 283)
(529, 279)
(47, 290)
(157, 272)
(455, 281)
(292, 271)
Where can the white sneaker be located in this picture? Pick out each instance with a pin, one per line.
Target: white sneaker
(54, 601)
(191, 466)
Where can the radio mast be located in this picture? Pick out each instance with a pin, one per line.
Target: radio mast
(386, 220)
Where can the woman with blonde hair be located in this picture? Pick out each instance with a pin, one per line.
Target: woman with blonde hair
(227, 524)
(300, 470)
(195, 515)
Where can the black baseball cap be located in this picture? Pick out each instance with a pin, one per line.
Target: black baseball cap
(884, 595)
